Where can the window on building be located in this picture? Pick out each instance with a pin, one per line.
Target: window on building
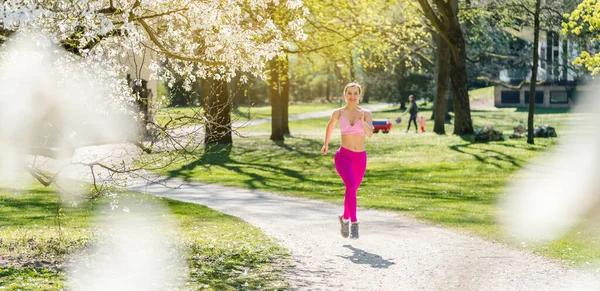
(559, 97)
(539, 97)
(510, 97)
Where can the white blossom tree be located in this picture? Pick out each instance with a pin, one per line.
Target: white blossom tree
(212, 39)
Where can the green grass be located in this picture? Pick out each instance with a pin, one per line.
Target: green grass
(502, 119)
(482, 93)
(223, 252)
(444, 180)
(241, 113)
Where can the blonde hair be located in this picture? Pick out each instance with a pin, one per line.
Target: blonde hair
(353, 84)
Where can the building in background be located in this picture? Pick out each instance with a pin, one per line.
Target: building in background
(560, 83)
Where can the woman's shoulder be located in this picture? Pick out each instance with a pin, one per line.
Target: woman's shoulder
(364, 110)
(337, 112)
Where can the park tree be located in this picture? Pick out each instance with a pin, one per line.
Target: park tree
(534, 70)
(365, 41)
(520, 17)
(279, 78)
(398, 54)
(329, 35)
(191, 40)
(584, 20)
(443, 16)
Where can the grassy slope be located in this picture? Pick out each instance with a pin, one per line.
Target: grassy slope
(243, 112)
(223, 252)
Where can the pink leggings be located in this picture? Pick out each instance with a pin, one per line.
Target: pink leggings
(351, 166)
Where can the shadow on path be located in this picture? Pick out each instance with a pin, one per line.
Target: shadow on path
(365, 258)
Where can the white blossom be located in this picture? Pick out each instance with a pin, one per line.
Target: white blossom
(219, 37)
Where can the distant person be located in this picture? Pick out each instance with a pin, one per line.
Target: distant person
(351, 158)
(413, 109)
(422, 122)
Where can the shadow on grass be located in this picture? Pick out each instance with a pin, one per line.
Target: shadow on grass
(483, 156)
(243, 114)
(491, 110)
(546, 110)
(429, 192)
(252, 169)
(27, 206)
(523, 145)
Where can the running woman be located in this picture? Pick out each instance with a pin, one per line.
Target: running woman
(351, 158)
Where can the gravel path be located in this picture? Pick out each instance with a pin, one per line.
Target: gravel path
(393, 252)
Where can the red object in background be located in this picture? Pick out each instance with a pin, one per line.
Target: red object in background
(383, 125)
(422, 123)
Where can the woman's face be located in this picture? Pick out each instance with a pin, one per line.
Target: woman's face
(352, 95)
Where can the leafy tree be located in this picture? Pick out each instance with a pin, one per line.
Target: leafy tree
(213, 40)
(445, 21)
(584, 20)
(516, 16)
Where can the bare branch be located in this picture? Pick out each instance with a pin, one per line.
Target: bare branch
(424, 58)
(440, 26)
(499, 56)
(37, 176)
(500, 83)
(168, 53)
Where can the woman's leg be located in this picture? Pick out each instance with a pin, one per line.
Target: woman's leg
(413, 120)
(343, 165)
(359, 167)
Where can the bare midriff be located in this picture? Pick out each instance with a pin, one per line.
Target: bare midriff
(353, 142)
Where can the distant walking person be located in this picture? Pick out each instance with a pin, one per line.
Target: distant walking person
(413, 109)
(351, 158)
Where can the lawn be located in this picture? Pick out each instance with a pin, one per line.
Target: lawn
(441, 179)
(482, 93)
(222, 252)
(242, 112)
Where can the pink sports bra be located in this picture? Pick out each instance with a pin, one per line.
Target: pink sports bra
(346, 128)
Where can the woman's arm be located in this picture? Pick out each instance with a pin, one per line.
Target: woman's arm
(329, 130)
(367, 121)
(410, 105)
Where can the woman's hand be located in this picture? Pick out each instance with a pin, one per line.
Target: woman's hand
(324, 149)
(361, 115)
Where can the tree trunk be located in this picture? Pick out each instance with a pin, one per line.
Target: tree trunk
(462, 109)
(534, 68)
(402, 85)
(285, 94)
(352, 76)
(449, 28)
(366, 92)
(237, 89)
(274, 96)
(146, 102)
(460, 86)
(328, 90)
(217, 110)
(450, 104)
(442, 65)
